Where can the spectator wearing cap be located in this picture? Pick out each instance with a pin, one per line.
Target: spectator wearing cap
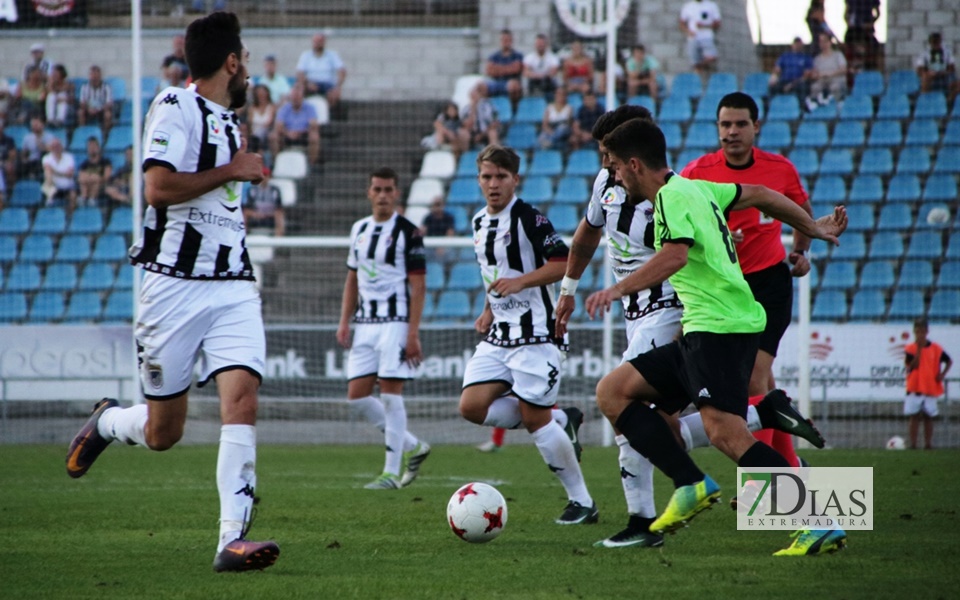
(278, 85)
(96, 101)
(321, 71)
(262, 208)
(37, 60)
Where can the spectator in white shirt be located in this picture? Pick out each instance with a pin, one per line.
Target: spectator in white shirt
(540, 68)
(699, 19)
(59, 168)
(322, 71)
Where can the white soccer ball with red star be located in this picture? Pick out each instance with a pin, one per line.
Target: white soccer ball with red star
(477, 513)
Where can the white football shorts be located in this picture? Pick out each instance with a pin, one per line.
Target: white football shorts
(914, 404)
(183, 321)
(652, 330)
(379, 349)
(533, 371)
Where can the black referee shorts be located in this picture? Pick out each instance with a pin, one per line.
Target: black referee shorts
(773, 289)
(704, 368)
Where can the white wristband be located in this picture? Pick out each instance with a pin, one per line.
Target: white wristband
(568, 286)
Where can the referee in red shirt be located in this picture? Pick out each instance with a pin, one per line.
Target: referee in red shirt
(759, 249)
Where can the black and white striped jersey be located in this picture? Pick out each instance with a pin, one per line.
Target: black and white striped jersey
(384, 255)
(628, 227)
(203, 238)
(515, 241)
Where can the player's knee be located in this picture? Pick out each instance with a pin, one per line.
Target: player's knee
(160, 440)
(472, 412)
(608, 398)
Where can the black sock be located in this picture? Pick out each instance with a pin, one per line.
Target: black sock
(762, 455)
(765, 415)
(650, 435)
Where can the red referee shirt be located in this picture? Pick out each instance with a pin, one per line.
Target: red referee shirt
(761, 246)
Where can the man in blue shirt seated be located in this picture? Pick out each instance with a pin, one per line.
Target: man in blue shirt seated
(296, 125)
(504, 68)
(793, 71)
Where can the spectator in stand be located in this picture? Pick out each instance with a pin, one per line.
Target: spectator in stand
(37, 61)
(60, 109)
(642, 73)
(297, 125)
(118, 188)
(8, 156)
(59, 168)
(96, 101)
(792, 72)
(176, 57)
(540, 68)
(278, 85)
(321, 71)
(829, 74)
(447, 128)
(439, 223)
(6, 100)
(503, 70)
(35, 145)
(30, 96)
(173, 77)
(817, 24)
(262, 208)
(578, 70)
(619, 75)
(927, 365)
(936, 68)
(587, 115)
(261, 115)
(200, 6)
(557, 122)
(699, 20)
(481, 125)
(860, 42)
(95, 171)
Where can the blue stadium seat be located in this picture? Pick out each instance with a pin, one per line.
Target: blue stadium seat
(461, 220)
(948, 160)
(895, 217)
(877, 274)
(51, 220)
(536, 190)
(829, 189)
(124, 115)
(923, 216)
(546, 162)
(78, 141)
(83, 306)
(119, 306)
(572, 190)
(852, 247)
(121, 219)
(564, 217)
(675, 110)
(110, 247)
(673, 135)
(86, 220)
(125, 273)
(925, 244)
(811, 134)
(120, 137)
(914, 160)
(721, 84)
(644, 101)
(836, 161)
(783, 107)
(756, 85)
(530, 109)
(876, 161)
(14, 220)
(685, 86)
(894, 106)
(951, 135)
(868, 83)
(829, 305)
(435, 277)
(915, 274)
(8, 248)
(823, 112)
(464, 276)
(860, 217)
(857, 108)
(36, 248)
(467, 165)
(774, 136)
(839, 275)
(73, 248)
(805, 160)
(868, 305)
(59, 277)
(885, 133)
(702, 136)
(953, 248)
(949, 276)
(583, 162)
(13, 307)
(522, 136)
(686, 157)
(955, 111)
(866, 188)
(931, 105)
(922, 132)
(707, 108)
(886, 244)
(848, 134)
(453, 304)
(503, 108)
(47, 306)
(17, 133)
(26, 193)
(23, 277)
(118, 87)
(906, 304)
(463, 190)
(944, 305)
(903, 188)
(96, 277)
(904, 81)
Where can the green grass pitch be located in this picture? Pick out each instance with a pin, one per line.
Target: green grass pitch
(143, 525)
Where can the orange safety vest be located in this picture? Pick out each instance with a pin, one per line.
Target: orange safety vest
(923, 379)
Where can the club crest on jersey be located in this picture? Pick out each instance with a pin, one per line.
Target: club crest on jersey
(214, 130)
(609, 196)
(648, 213)
(159, 142)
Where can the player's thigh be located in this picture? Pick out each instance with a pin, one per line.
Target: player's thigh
(392, 351)
(773, 289)
(364, 358)
(621, 387)
(361, 387)
(653, 330)
(912, 404)
(930, 407)
(234, 338)
(664, 378)
(718, 368)
(536, 373)
(485, 378)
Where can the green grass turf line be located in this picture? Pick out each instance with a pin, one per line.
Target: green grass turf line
(144, 525)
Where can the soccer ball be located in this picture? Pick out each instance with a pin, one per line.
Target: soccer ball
(896, 443)
(477, 513)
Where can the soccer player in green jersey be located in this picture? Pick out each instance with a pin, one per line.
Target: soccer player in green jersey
(710, 364)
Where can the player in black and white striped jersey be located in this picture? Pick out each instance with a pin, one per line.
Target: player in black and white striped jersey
(198, 299)
(384, 295)
(513, 377)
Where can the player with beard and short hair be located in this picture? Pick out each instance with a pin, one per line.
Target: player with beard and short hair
(198, 300)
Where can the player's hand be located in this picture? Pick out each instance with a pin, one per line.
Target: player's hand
(343, 336)
(413, 351)
(600, 302)
(736, 236)
(801, 266)
(832, 226)
(483, 322)
(246, 165)
(505, 287)
(565, 307)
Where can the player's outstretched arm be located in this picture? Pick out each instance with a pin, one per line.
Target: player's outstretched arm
(347, 308)
(778, 206)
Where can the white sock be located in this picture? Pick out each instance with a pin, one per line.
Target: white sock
(124, 424)
(557, 452)
(753, 419)
(395, 431)
(692, 432)
(560, 417)
(636, 475)
(503, 412)
(236, 479)
(371, 409)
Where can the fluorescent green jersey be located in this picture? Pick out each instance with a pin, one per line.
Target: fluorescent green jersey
(715, 297)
